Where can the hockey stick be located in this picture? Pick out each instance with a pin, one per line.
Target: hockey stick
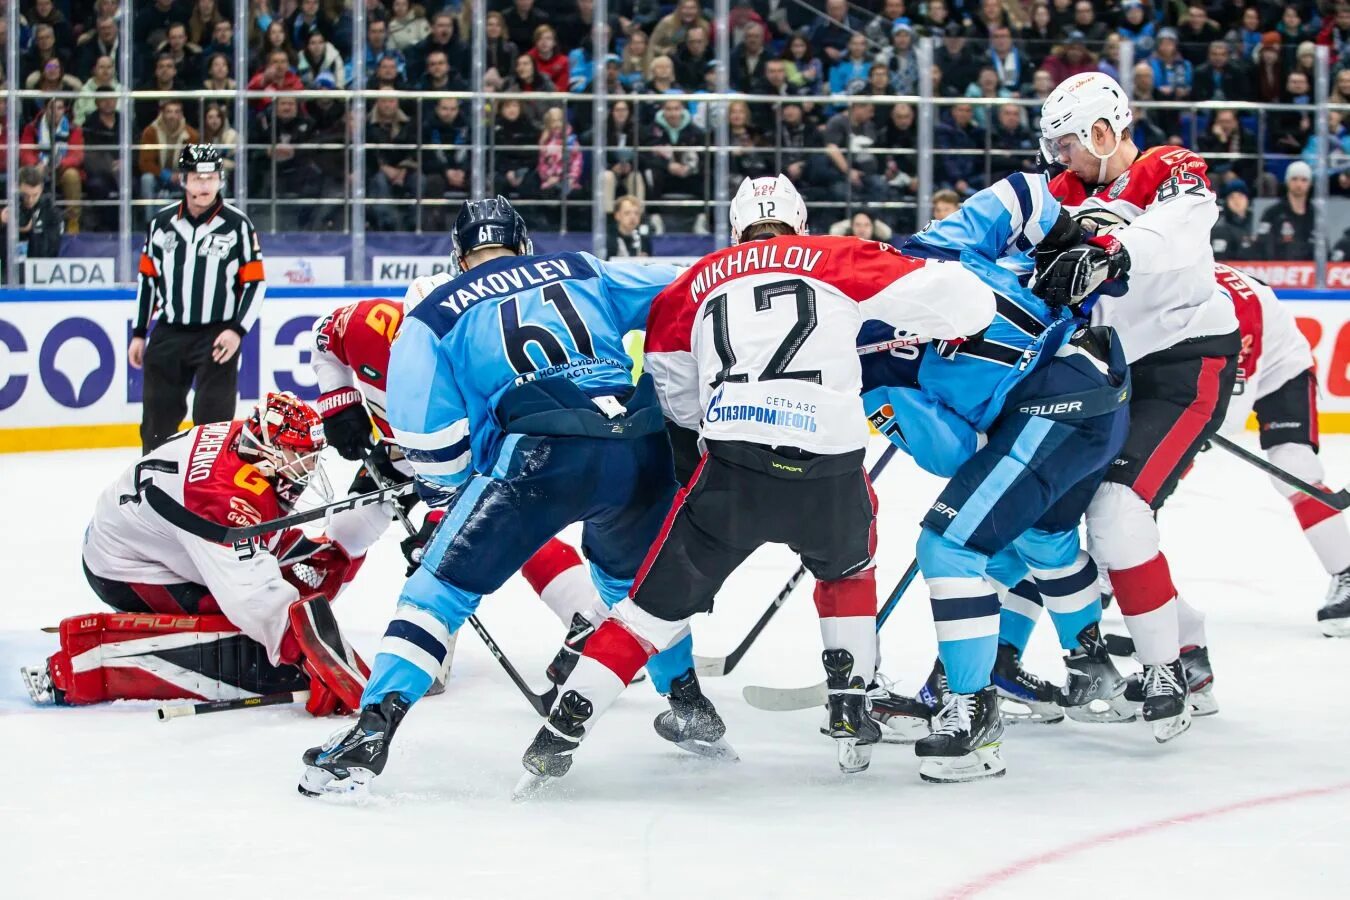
(183, 518)
(542, 703)
(788, 699)
(1337, 500)
(715, 666)
(179, 710)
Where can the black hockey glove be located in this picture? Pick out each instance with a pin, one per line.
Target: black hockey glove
(345, 422)
(1065, 233)
(414, 544)
(1069, 277)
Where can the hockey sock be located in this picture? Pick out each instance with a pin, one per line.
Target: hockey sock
(1146, 596)
(848, 618)
(965, 610)
(1021, 609)
(557, 575)
(415, 644)
(671, 663)
(1072, 597)
(1190, 624)
(1324, 528)
(612, 657)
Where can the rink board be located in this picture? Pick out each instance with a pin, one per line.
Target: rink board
(65, 382)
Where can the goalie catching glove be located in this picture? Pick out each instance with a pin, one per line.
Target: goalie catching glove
(1071, 277)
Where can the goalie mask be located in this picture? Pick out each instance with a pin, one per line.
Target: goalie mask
(761, 200)
(285, 438)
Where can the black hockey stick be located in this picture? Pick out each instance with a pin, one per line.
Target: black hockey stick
(183, 518)
(1337, 500)
(179, 710)
(542, 703)
(788, 699)
(715, 666)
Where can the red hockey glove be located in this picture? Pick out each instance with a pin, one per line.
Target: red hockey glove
(316, 565)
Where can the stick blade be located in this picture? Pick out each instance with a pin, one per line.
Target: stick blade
(772, 699)
(710, 666)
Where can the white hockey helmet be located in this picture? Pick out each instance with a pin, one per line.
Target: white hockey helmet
(421, 288)
(1078, 104)
(767, 200)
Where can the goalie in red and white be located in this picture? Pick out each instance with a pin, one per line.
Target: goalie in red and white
(206, 621)
(1276, 381)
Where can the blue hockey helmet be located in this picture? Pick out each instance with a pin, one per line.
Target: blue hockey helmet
(489, 223)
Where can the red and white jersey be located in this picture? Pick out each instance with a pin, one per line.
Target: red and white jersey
(1273, 348)
(758, 342)
(202, 470)
(1167, 206)
(352, 350)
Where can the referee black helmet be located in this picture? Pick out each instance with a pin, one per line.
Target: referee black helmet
(490, 223)
(200, 158)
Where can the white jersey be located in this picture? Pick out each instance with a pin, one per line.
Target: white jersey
(1273, 348)
(130, 542)
(757, 342)
(1168, 209)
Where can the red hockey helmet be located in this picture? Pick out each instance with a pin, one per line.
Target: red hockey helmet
(286, 434)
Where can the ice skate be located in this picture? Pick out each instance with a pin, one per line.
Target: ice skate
(853, 730)
(1095, 689)
(903, 720)
(692, 722)
(565, 661)
(549, 755)
(1165, 700)
(1199, 680)
(1334, 616)
(38, 681)
(349, 760)
(964, 745)
(933, 694)
(1037, 696)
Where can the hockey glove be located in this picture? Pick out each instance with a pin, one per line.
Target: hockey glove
(414, 544)
(345, 422)
(1065, 233)
(1069, 277)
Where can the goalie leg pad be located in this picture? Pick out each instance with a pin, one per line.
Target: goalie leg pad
(327, 655)
(119, 656)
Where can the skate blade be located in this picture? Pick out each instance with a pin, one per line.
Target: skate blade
(1168, 729)
(1015, 709)
(1203, 702)
(530, 786)
(317, 782)
(719, 749)
(984, 762)
(38, 684)
(853, 756)
(1335, 628)
(1115, 711)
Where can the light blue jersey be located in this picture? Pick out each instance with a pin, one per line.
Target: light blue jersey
(1002, 223)
(504, 323)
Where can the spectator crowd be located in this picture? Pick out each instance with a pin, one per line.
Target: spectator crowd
(801, 55)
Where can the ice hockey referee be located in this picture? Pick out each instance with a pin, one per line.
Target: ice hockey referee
(201, 276)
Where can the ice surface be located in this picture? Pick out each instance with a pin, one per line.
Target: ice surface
(109, 802)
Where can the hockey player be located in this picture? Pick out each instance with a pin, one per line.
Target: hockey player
(754, 345)
(1179, 335)
(351, 361)
(1050, 399)
(198, 620)
(512, 396)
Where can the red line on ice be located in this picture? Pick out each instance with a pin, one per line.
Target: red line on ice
(995, 878)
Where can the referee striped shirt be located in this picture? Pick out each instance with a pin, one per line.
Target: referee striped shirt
(200, 271)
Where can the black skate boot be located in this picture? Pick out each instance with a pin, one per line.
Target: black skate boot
(933, 694)
(549, 755)
(692, 722)
(578, 634)
(350, 760)
(964, 744)
(903, 720)
(1334, 616)
(1095, 689)
(1165, 700)
(1199, 680)
(1039, 697)
(853, 730)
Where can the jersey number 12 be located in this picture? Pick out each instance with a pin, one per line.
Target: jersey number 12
(792, 342)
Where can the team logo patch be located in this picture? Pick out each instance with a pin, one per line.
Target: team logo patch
(882, 416)
(1118, 186)
(243, 513)
(169, 242)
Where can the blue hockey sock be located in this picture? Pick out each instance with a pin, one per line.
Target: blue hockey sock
(1021, 610)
